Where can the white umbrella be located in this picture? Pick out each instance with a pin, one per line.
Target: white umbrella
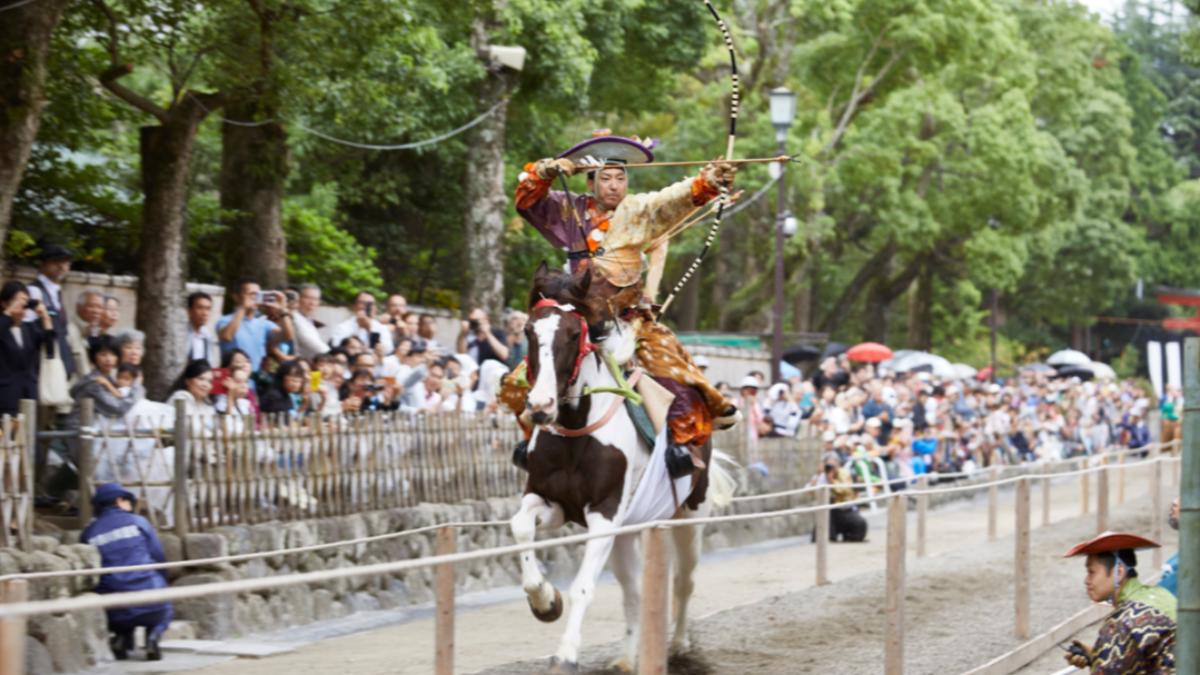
(898, 356)
(1103, 371)
(911, 361)
(1069, 357)
(964, 372)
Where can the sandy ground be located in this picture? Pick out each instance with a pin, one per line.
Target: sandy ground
(758, 611)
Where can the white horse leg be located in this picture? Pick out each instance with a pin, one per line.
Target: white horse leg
(687, 557)
(583, 589)
(544, 599)
(626, 564)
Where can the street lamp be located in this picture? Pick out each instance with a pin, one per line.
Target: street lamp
(783, 111)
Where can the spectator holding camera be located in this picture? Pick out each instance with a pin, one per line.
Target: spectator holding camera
(232, 391)
(364, 326)
(393, 317)
(20, 342)
(249, 331)
(845, 521)
(479, 340)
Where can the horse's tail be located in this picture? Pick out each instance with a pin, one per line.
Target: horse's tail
(721, 481)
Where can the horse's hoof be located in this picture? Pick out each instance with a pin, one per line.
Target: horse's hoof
(560, 667)
(551, 615)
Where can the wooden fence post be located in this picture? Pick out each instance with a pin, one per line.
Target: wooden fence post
(1022, 560)
(1121, 480)
(894, 647)
(1046, 498)
(28, 410)
(922, 510)
(180, 496)
(652, 648)
(12, 631)
(1102, 496)
(822, 534)
(87, 460)
(1085, 485)
(1156, 512)
(443, 588)
(993, 498)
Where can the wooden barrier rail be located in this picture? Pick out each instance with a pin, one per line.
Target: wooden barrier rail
(653, 642)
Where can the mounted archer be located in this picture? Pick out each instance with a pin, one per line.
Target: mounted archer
(622, 240)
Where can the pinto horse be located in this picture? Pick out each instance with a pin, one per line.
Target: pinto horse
(587, 463)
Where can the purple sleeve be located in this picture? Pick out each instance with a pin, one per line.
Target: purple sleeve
(547, 217)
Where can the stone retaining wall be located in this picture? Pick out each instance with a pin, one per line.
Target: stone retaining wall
(71, 642)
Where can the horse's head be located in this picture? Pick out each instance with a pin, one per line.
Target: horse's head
(558, 344)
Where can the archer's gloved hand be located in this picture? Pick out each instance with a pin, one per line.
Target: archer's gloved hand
(719, 174)
(549, 169)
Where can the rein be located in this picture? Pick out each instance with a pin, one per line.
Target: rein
(618, 401)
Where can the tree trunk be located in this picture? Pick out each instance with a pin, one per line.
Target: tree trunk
(920, 311)
(254, 168)
(486, 196)
(25, 33)
(875, 310)
(166, 151)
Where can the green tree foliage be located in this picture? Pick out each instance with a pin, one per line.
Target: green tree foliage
(943, 148)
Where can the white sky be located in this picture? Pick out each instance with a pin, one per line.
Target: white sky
(1104, 7)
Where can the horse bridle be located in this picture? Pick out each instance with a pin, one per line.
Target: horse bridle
(585, 344)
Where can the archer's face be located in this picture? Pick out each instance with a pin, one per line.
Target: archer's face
(609, 186)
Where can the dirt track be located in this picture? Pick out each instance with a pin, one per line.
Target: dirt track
(759, 613)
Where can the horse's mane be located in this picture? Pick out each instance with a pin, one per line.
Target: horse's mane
(563, 288)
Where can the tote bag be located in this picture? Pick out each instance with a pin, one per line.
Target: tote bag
(52, 380)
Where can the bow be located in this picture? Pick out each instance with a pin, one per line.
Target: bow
(723, 198)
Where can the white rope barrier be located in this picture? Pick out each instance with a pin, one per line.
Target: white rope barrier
(933, 476)
(135, 598)
(200, 562)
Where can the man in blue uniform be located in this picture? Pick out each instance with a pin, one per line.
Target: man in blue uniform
(125, 538)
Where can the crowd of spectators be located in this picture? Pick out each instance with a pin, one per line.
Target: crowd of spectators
(268, 357)
(914, 423)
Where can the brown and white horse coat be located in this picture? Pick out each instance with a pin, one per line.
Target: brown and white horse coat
(590, 479)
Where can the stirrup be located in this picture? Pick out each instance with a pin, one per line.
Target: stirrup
(680, 461)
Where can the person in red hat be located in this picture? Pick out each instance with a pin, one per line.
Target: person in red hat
(1139, 635)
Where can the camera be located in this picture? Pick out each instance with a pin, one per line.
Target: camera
(473, 324)
(32, 304)
(369, 307)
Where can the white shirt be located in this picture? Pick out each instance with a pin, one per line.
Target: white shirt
(35, 293)
(203, 346)
(350, 327)
(308, 339)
